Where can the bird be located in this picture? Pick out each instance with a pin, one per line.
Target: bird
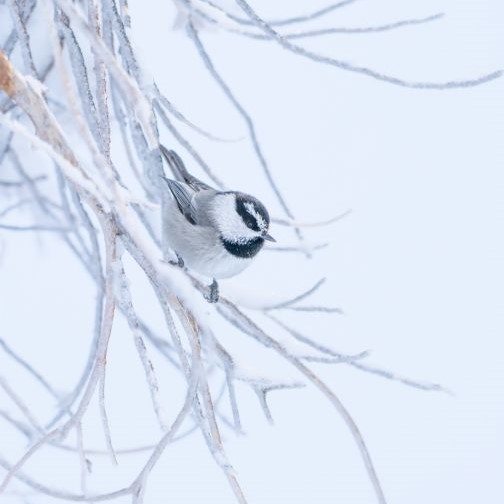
(212, 232)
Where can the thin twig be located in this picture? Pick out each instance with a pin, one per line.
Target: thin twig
(343, 65)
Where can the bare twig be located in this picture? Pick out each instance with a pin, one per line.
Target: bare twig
(23, 36)
(343, 65)
(246, 325)
(286, 21)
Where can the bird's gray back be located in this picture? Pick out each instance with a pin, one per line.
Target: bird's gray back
(204, 211)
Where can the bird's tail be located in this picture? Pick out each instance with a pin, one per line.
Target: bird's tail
(176, 164)
(179, 170)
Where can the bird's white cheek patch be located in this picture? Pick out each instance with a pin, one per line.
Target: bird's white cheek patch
(230, 224)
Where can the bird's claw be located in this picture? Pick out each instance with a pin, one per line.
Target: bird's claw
(213, 295)
(179, 262)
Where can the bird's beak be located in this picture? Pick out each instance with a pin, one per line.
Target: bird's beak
(269, 237)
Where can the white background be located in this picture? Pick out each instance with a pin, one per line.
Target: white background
(417, 267)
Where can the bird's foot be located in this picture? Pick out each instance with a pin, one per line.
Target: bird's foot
(179, 262)
(213, 295)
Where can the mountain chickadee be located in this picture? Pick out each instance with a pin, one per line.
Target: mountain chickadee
(215, 233)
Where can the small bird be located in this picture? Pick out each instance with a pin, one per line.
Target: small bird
(215, 233)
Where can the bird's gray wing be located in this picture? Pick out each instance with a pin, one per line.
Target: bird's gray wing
(184, 197)
(179, 170)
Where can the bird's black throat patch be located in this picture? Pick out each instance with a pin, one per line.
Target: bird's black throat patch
(244, 250)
